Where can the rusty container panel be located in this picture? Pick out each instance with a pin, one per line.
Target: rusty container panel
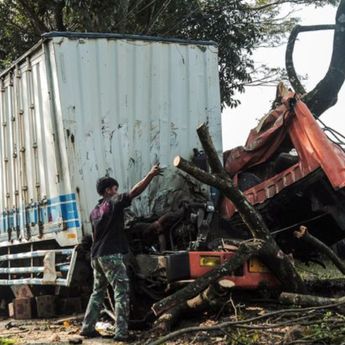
(80, 106)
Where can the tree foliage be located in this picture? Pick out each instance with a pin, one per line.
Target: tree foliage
(238, 26)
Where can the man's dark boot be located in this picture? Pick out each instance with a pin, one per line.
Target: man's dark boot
(92, 334)
(124, 338)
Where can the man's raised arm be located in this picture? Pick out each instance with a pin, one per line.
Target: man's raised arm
(141, 185)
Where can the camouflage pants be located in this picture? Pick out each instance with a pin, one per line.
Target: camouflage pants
(109, 269)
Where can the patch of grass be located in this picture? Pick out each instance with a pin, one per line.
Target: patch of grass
(327, 330)
(244, 337)
(7, 341)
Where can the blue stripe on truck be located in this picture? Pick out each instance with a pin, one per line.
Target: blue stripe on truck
(62, 208)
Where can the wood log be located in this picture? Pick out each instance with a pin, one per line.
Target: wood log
(212, 297)
(207, 144)
(168, 320)
(304, 234)
(325, 285)
(279, 263)
(311, 301)
(244, 252)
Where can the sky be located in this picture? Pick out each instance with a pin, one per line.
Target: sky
(312, 55)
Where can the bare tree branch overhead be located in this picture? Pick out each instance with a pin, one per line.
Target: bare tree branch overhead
(325, 93)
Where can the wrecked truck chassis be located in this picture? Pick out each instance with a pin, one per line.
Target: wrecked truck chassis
(162, 274)
(309, 201)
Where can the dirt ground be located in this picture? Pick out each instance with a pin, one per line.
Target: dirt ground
(238, 321)
(246, 325)
(39, 332)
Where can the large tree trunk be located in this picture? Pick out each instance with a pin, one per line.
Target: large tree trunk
(325, 93)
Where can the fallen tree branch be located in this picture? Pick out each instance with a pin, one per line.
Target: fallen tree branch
(221, 325)
(304, 234)
(273, 257)
(244, 252)
(167, 320)
(68, 319)
(207, 144)
(309, 300)
(251, 218)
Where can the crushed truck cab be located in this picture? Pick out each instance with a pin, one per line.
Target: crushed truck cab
(292, 173)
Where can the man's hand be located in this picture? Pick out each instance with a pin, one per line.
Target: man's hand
(155, 170)
(141, 185)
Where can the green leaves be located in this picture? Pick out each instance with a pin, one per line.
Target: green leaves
(238, 27)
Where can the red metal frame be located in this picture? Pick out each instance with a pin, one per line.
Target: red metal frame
(249, 280)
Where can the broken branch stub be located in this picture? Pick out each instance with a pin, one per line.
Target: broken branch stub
(207, 144)
(211, 297)
(304, 235)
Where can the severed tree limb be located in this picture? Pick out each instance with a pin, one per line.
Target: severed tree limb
(166, 321)
(207, 144)
(310, 301)
(304, 234)
(212, 297)
(244, 252)
(290, 68)
(249, 215)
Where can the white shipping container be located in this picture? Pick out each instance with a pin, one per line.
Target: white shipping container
(79, 106)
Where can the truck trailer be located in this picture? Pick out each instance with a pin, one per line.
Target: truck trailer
(79, 106)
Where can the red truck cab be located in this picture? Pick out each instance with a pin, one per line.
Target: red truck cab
(293, 174)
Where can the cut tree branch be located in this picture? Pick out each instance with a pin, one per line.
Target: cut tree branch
(207, 144)
(220, 326)
(244, 252)
(304, 234)
(310, 301)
